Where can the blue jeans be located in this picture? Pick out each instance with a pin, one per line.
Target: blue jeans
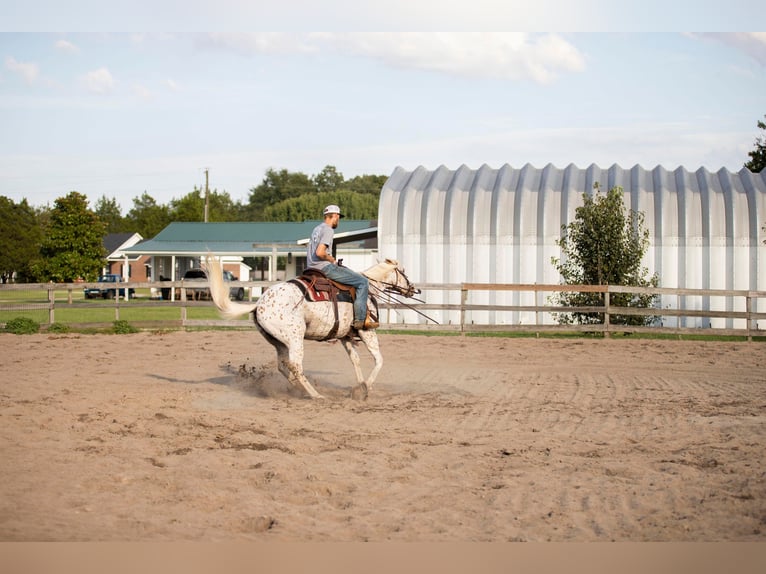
(358, 281)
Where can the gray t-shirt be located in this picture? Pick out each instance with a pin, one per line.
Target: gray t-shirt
(322, 233)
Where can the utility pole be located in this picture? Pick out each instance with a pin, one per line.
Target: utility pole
(206, 192)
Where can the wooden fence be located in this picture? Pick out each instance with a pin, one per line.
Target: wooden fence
(744, 312)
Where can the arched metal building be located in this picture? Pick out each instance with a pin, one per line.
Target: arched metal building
(501, 225)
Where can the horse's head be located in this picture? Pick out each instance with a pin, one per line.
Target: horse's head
(392, 278)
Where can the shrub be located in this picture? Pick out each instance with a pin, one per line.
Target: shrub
(58, 328)
(122, 327)
(22, 326)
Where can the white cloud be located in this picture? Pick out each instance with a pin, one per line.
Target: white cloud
(27, 70)
(99, 81)
(515, 56)
(66, 46)
(172, 85)
(751, 43)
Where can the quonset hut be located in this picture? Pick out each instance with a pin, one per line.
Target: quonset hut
(501, 225)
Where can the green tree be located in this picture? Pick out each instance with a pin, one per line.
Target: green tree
(73, 244)
(147, 217)
(191, 207)
(758, 155)
(371, 184)
(310, 206)
(277, 186)
(329, 179)
(110, 214)
(20, 237)
(604, 245)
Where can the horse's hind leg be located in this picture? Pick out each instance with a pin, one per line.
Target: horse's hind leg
(290, 364)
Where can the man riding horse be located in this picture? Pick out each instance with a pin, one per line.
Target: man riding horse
(319, 257)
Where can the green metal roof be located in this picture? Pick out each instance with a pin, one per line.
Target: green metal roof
(238, 238)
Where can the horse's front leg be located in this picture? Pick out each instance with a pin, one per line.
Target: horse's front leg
(370, 339)
(348, 344)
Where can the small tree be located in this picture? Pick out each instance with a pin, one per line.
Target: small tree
(20, 237)
(758, 155)
(604, 245)
(73, 244)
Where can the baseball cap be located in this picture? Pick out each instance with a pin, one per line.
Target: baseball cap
(332, 209)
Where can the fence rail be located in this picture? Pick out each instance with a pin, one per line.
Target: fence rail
(741, 306)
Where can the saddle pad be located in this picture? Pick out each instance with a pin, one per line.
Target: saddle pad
(314, 296)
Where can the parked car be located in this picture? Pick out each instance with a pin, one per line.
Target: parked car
(108, 292)
(197, 293)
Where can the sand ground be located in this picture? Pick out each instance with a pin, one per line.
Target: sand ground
(194, 436)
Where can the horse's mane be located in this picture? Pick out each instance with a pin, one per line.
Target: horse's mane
(380, 271)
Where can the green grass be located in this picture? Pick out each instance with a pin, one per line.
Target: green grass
(573, 335)
(101, 311)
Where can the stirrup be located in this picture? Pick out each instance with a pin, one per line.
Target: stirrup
(365, 325)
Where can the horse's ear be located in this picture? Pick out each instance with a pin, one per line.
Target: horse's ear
(393, 262)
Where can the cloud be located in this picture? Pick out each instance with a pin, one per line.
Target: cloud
(172, 85)
(751, 43)
(512, 56)
(99, 81)
(27, 70)
(66, 46)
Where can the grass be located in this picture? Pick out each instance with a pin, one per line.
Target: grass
(574, 335)
(142, 309)
(98, 311)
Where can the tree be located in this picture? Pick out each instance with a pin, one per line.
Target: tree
(191, 207)
(604, 245)
(371, 184)
(73, 244)
(758, 155)
(20, 236)
(275, 187)
(310, 206)
(147, 217)
(329, 179)
(110, 214)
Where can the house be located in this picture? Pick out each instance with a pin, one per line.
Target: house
(182, 245)
(130, 266)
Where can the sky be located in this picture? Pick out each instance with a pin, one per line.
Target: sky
(145, 98)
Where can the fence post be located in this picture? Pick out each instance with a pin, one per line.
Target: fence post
(51, 304)
(182, 292)
(607, 334)
(463, 302)
(749, 312)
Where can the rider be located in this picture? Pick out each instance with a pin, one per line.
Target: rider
(319, 256)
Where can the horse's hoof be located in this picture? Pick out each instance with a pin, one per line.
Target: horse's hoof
(360, 392)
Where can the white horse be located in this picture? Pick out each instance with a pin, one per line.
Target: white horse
(286, 318)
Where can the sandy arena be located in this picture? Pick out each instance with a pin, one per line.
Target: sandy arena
(194, 436)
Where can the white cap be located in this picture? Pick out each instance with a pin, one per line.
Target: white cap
(330, 209)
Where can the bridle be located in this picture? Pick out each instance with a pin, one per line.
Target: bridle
(388, 291)
(396, 287)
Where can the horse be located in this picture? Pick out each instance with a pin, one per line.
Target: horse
(285, 318)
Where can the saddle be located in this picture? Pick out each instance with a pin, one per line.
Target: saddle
(316, 287)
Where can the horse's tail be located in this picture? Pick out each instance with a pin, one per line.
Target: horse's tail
(219, 292)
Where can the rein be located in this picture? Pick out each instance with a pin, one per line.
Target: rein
(394, 288)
